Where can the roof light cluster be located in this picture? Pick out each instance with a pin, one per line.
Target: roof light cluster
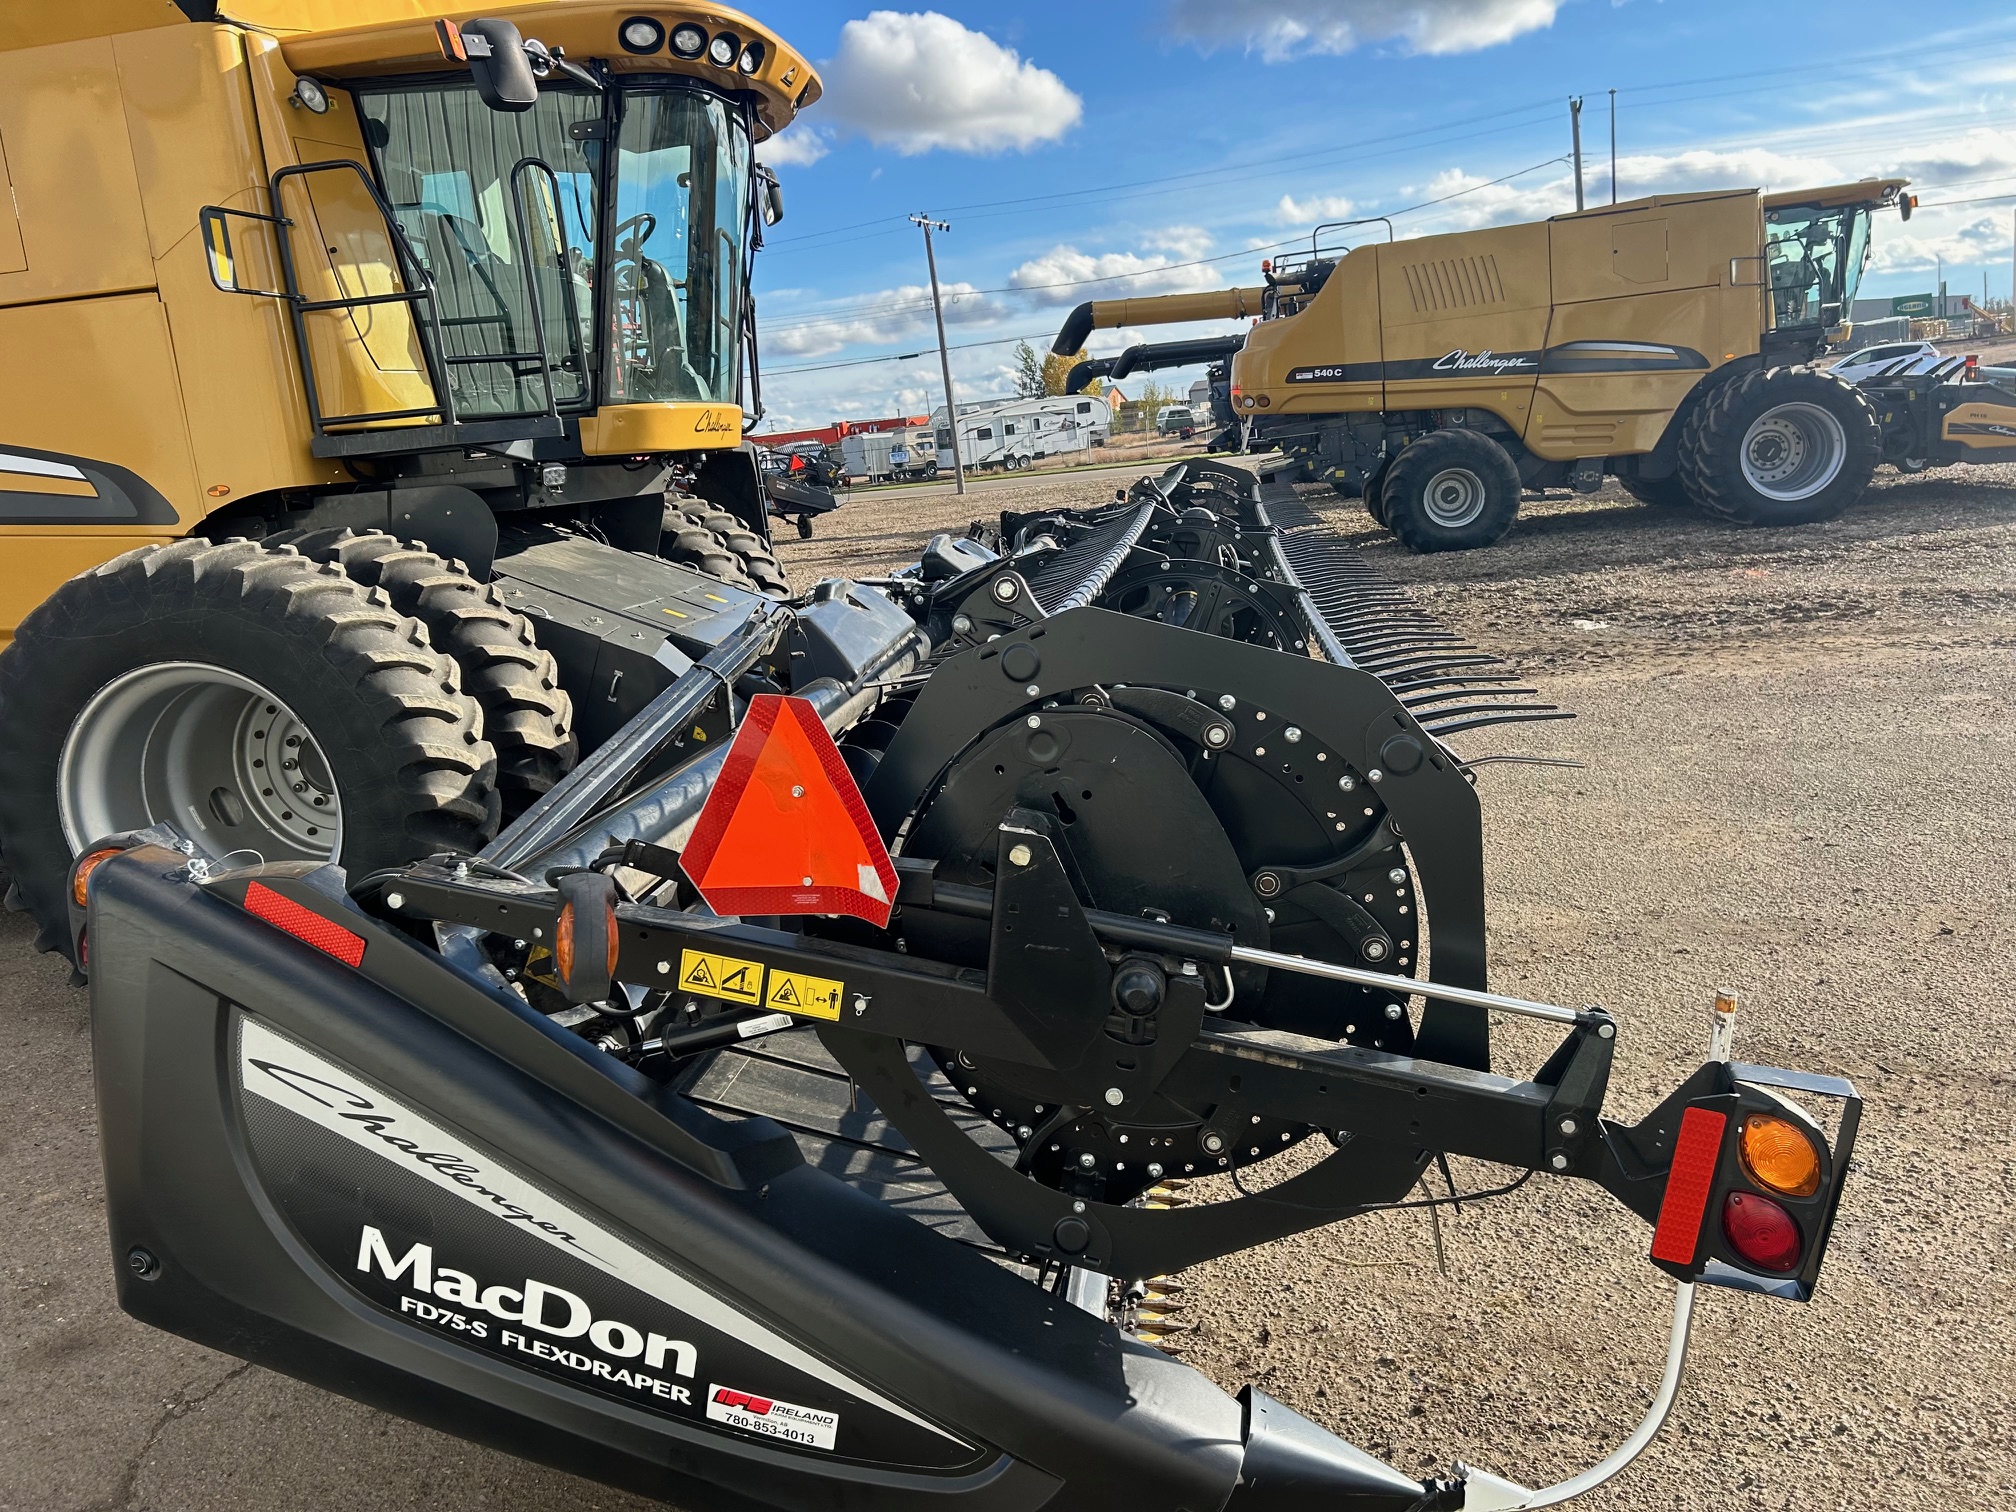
(643, 35)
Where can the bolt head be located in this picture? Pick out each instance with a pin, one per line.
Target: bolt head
(1214, 1142)
(1375, 775)
(1115, 1097)
(1033, 689)
(1374, 949)
(1568, 1126)
(395, 900)
(1217, 736)
(1087, 1161)
(1034, 721)
(1606, 1031)
(1154, 1168)
(962, 624)
(1398, 874)
(664, 968)
(1004, 589)
(1267, 884)
(1020, 855)
(1227, 702)
(1292, 734)
(1346, 783)
(1023, 1131)
(1558, 1162)
(797, 792)
(1394, 1011)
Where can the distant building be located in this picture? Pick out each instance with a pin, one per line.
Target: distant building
(832, 434)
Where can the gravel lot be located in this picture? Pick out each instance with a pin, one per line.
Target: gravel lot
(1799, 782)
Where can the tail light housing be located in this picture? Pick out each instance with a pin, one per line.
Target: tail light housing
(1752, 1182)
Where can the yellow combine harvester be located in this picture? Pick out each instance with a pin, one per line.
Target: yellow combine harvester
(451, 308)
(1662, 341)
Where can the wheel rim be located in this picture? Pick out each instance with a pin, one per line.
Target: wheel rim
(1454, 497)
(1793, 451)
(201, 748)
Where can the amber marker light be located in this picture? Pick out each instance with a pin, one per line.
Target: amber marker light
(1778, 1156)
(80, 879)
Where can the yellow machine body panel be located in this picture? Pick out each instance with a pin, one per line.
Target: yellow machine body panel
(1581, 333)
(1982, 425)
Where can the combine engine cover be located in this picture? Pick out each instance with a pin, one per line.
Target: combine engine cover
(792, 1105)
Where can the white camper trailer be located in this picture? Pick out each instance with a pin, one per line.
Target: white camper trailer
(1016, 433)
(886, 456)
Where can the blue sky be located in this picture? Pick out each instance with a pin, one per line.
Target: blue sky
(1165, 145)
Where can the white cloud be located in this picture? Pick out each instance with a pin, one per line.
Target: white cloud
(1283, 30)
(793, 147)
(891, 315)
(1060, 276)
(1320, 207)
(915, 81)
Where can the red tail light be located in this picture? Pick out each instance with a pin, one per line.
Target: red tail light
(1761, 1231)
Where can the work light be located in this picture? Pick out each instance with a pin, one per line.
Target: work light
(640, 34)
(723, 48)
(688, 40)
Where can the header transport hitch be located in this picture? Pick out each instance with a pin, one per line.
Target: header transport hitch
(1072, 890)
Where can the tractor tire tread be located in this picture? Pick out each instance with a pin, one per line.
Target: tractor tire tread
(432, 775)
(527, 715)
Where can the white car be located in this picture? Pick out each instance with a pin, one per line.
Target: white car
(1872, 360)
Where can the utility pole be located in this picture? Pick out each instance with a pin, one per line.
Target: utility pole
(944, 356)
(1613, 146)
(1575, 126)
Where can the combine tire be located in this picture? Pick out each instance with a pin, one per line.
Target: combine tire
(1449, 491)
(527, 715)
(261, 703)
(1784, 446)
(719, 544)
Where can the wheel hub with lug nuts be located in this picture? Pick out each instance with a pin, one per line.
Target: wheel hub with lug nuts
(1454, 497)
(1793, 451)
(207, 750)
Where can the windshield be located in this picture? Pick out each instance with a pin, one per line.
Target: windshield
(506, 213)
(1815, 259)
(682, 188)
(457, 176)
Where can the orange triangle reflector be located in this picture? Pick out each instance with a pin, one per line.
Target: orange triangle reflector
(785, 830)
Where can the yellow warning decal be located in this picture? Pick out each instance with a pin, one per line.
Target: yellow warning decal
(807, 996)
(724, 977)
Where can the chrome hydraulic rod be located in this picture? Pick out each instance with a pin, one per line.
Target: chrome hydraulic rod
(1404, 986)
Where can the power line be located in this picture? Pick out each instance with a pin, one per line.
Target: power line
(841, 318)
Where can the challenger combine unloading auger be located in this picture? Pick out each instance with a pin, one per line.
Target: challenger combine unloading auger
(770, 1113)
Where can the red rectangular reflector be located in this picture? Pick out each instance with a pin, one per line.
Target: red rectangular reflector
(1688, 1183)
(304, 924)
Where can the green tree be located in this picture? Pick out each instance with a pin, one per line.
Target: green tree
(1057, 370)
(1028, 372)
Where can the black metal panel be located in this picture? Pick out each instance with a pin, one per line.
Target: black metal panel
(210, 1245)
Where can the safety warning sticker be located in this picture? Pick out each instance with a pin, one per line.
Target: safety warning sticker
(807, 996)
(726, 977)
(773, 1419)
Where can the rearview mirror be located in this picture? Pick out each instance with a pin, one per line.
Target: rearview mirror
(497, 62)
(772, 193)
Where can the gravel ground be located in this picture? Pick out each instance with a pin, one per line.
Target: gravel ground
(1799, 780)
